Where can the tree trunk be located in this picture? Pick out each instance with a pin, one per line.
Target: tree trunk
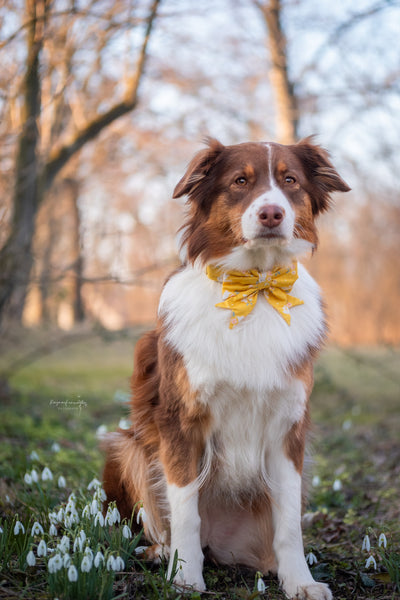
(77, 300)
(16, 255)
(285, 97)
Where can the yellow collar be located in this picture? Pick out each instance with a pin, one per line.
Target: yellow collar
(240, 290)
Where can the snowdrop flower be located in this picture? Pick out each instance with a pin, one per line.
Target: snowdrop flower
(99, 519)
(126, 532)
(86, 512)
(18, 527)
(94, 507)
(110, 563)
(101, 431)
(47, 475)
(64, 544)
(119, 564)
(109, 520)
(53, 530)
(53, 518)
(115, 515)
(42, 548)
(60, 515)
(311, 558)
(95, 483)
(1, 530)
(382, 540)
(55, 447)
(34, 455)
(78, 544)
(86, 564)
(61, 482)
(260, 584)
(366, 545)
(37, 529)
(66, 560)
(124, 424)
(82, 535)
(347, 424)
(316, 481)
(370, 562)
(140, 549)
(30, 559)
(337, 485)
(72, 574)
(34, 475)
(28, 478)
(98, 559)
(141, 515)
(8, 499)
(55, 563)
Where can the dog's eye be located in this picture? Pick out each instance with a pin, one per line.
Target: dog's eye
(289, 179)
(241, 181)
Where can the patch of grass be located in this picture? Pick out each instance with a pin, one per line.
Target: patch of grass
(49, 417)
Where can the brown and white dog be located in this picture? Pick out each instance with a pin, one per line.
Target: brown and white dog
(220, 393)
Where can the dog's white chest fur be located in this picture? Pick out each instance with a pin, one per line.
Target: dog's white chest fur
(258, 353)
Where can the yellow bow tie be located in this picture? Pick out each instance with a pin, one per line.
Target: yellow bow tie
(240, 290)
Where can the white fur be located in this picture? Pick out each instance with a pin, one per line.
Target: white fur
(185, 535)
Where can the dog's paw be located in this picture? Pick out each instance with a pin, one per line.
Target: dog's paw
(309, 591)
(189, 582)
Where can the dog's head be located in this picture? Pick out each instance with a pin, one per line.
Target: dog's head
(255, 195)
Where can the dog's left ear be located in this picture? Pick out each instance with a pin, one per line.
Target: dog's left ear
(198, 169)
(321, 174)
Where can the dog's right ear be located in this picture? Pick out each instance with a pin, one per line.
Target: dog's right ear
(199, 168)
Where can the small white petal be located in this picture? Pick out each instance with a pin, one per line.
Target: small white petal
(95, 483)
(115, 515)
(337, 485)
(99, 519)
(34, 455)
(86, 564)
(99, 558)
(316, 481)
(30, 559)
(86, 511)
(261, 586)
(82, 535)
(60, 515)
(37, 529)
(110, 563)
(65, 543)
(55, 563)
(72, 573)
(370, 562)
(1, 530)
(28, 478)
(311, 558)
(94, 507)
(18, 527)
(101, 431)
(382, 540)
(124, 424)
(47, 475)
(61, 482)
(55, 447)
(78, 544)
(366, 545)
(141, 515)
(66, 561)
(53, 530)
(34, 475)
(140, 549)
(119, 564)
(126, 532)
(42, 548)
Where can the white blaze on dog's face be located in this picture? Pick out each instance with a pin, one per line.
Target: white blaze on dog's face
(255, 194)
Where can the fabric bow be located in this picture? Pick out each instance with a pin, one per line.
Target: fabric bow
(240, 290)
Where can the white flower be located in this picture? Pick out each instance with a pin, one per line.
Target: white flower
(95, 483)
(382, 540)
(119, 564)
(100, 495)
(86, 512)
(34, 475)
(55, 447)
(126, 532)
(18, 527)
(141, 515)
(337, 485)
(53, 530)
(261, 585)
(115, 515)
(60, 515)
(94, 507)
(366, 545)
(78, 544)
(99, 558)
(47, 475)
(316, 481)
(61, 482)
(347, 424)
(1, 530)
(34, 455)
(72, 574)
(110, 563)
(311, 558)
(82, 535)
(86, 564)
(66, 560)
(370, 562)
(30, 559)
(124, 424)
(101, 431)
(55, 563)
(64, 545)
(99, 519)
(42, 548)
(53, 517)
(28, 478)
(109, 520)
(37, 529)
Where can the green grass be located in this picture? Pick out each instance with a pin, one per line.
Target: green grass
(65, 395)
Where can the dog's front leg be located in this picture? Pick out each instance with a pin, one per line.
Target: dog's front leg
(285, 466)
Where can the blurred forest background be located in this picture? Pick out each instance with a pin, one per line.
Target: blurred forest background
(103, 103)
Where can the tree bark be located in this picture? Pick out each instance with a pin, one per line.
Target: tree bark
(32, 181)
(284, 91)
